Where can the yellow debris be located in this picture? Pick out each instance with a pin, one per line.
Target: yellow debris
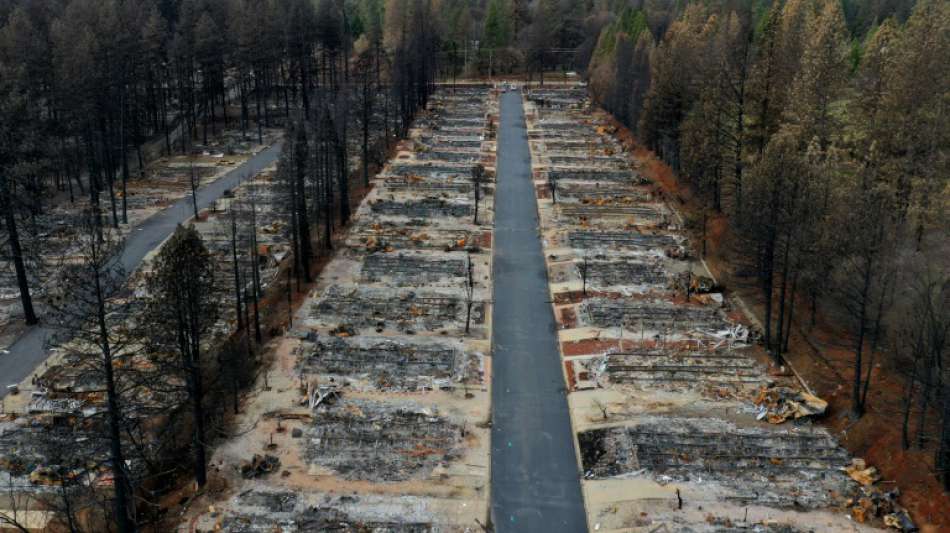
(863, 474)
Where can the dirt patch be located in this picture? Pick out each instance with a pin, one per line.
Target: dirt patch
(589, 347)
(567, 318)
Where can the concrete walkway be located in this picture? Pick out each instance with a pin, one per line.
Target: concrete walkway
(29, 351)
(535, 478)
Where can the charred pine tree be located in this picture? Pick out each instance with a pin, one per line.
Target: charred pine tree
(340, 145)
(236, 270)
(920, 341)
(760, 230)
(863, 275)
(367, 102)
(180, 311)
(255, 256)
(11, 107)
(300, 157)
(323, 170)
(16, 249)
(83, 311)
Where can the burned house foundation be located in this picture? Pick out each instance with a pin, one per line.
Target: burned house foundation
(259, 510)
(617, 273)
(422, 209)
(385, 363)
(364, 440)
(652, 315)
(415, 269)
(669, 368)
(620, 240)
(406, 310)
(798, 468)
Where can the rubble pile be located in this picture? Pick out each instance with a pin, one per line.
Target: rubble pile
(598, 240)
(680, 368)
(657, 316)
(266, 510)
(793, 469)
(672, 409)
(560, 98)
(375, 441)
(599, 192)
(384, 363)
(606, 274)
(778, 404)
(36, 451)
(259, 465)
(424, 208)
(433, 170)
(586, 175)
(406, 310)
(416, 268)
(608, 209)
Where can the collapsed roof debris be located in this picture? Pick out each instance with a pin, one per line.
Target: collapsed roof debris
(788, 468)
(651, 315)
(377, 441)
(778, 404)
(254, 511)
(679, 368)
(408, 310)
(388, 363)
(595, 239)
(414, 269)
(423, 208)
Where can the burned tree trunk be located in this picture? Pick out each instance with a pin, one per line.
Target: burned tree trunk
(300, 158)
(256, 272)
(81, 309)
(121, 483)
(16, 252)
(237, 272)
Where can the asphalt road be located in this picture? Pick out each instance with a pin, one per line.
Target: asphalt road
(29, 351)
(535, 478)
